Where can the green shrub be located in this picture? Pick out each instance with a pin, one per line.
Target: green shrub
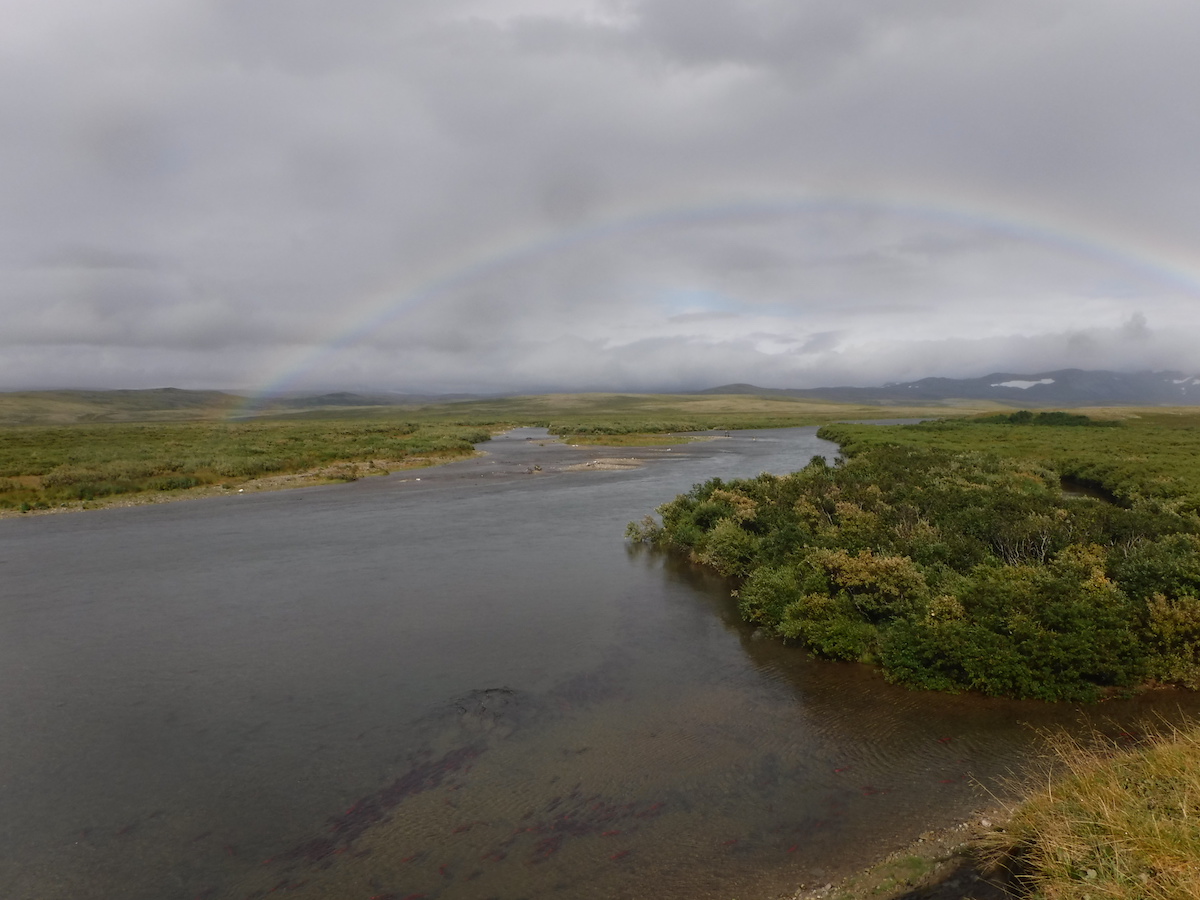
(831, 626)
(1169, 565)
(1173, 627)
(878, 588)
(729, 549)
(1056, 418)
(765, 595)
(1060, 632)
(173, 483)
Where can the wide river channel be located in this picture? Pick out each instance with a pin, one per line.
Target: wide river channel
(452, 683)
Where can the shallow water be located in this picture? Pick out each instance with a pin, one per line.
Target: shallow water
(465, 686)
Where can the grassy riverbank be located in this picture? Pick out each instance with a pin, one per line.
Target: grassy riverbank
(79, 465)
(1108, 818)
(1114, 822)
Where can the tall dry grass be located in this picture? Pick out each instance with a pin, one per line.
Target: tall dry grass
(1111, 823)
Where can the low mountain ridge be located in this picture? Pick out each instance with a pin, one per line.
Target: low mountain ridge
(1062, 387)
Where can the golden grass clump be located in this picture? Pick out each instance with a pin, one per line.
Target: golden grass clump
(1111, 823)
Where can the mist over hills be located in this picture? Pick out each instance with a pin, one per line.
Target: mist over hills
(1063, 387)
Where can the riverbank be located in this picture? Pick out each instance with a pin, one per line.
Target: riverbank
(546, 455)
(1110, 820)
(339, 472)
(81, 466)
(941, 864)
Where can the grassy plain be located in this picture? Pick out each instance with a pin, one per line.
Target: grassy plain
(70, 449)
(623, 411)
(83, 407)
(612, 414)
(1152, 455)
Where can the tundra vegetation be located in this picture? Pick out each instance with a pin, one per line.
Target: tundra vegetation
(52, 466)
(949, 555)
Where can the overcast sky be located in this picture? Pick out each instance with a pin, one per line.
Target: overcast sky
(489, 195)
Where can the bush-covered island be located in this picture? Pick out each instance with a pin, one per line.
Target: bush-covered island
(959, 569)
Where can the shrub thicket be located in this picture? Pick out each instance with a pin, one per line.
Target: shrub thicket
(1055, 417)
(954, 571)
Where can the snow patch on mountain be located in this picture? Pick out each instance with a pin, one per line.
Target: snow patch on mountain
(1023, 385)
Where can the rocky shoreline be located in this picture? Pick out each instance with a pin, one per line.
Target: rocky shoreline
(942, 864)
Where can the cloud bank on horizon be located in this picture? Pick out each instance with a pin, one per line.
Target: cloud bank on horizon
(526, 195)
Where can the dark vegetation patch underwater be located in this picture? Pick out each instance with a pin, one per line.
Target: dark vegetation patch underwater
(963, 569)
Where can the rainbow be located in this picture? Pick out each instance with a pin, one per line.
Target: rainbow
(1167, 265)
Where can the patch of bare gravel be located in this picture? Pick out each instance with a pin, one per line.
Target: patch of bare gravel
(607, 464)
(942, 864)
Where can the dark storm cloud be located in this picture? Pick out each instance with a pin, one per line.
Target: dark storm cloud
(206, 193)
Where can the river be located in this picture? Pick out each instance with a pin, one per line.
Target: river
(451, 683)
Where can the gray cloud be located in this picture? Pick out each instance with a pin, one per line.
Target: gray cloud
(526, 194)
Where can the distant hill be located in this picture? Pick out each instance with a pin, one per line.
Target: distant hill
(336, 400)
(346, 398)
(1064, 387)
(176, 405)
(77, 407)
